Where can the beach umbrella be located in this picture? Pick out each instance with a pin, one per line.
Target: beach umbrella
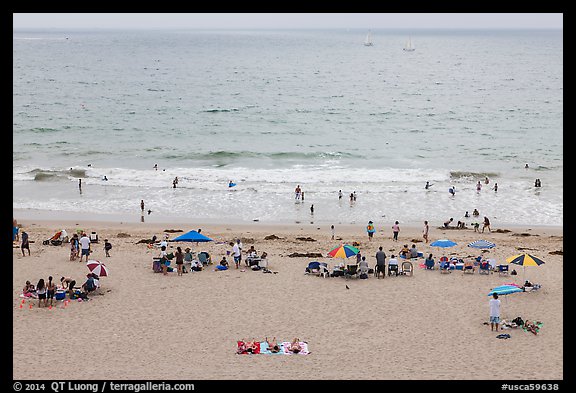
(192, 236)
(525, 260)
(343, 251)
(481, 244)
(505, 290)
(97, 268)
(444, 243)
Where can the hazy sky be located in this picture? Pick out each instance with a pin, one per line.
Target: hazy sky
(288, 20)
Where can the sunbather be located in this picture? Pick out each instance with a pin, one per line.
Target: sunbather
(274, 348)
(250, 346)
(531, 327)
(295, 346)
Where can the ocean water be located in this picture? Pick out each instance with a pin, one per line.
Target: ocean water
(271, 110)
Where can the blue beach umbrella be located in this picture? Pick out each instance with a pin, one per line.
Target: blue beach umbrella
(444, 243)
(192, 236)
(481, 244)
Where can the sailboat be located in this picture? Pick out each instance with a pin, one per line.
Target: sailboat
(409, 47)
(368, 40)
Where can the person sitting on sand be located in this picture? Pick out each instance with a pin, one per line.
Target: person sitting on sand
(295, 346)
(29, 290)
(89, 285)
(273, 347)
(405, 252)
(252, 252)
(222, 265)
(413, 251)
(429, 262)
(469, 264)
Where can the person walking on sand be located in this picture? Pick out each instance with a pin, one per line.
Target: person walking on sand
(107, 247)
(486, 224)
(25, 245)
(425, 231)
(395, 230)
(494, 304)
(370, 229)
(332, 230)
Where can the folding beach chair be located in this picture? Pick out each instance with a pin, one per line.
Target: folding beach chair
(484, 268)
(392, 269)
(351, 271)
(503, 270)
(313, 268)
(204, 257)
(324, 272)
(407, 269)
(444, 265)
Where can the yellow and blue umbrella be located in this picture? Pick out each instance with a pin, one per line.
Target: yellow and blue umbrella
(525, 260)
(343, 251)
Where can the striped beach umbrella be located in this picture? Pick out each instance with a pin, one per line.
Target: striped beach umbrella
(481, 244)
(343, 251)
(97, 268)
(525, 260)
(505, 290)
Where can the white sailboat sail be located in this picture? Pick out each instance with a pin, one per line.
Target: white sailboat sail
(368, 40)
(409, 47)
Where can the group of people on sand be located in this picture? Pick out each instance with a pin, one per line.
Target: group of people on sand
(251, 347)
(45, 291)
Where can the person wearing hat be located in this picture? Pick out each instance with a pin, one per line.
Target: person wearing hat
(370, 229)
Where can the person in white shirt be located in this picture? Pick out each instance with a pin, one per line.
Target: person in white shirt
(236, 252)
(392, 265)
(85, 246)
(494, 311)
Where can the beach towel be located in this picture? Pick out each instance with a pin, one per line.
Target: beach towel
(303, 345)
(266, 351)
(241, 348)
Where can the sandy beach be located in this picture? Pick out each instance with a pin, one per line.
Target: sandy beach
(146, 326)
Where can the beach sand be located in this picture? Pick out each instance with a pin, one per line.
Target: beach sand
(147, 326)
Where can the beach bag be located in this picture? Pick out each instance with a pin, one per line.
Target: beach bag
(363, 276)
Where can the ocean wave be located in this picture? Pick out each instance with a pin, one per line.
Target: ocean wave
(461, 175)
(41, 130)
(220, 110)
(289, 155)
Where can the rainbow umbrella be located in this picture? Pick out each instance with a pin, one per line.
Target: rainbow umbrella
(343, 251)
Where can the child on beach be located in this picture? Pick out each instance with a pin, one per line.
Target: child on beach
(107, 247)
(370, 229)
